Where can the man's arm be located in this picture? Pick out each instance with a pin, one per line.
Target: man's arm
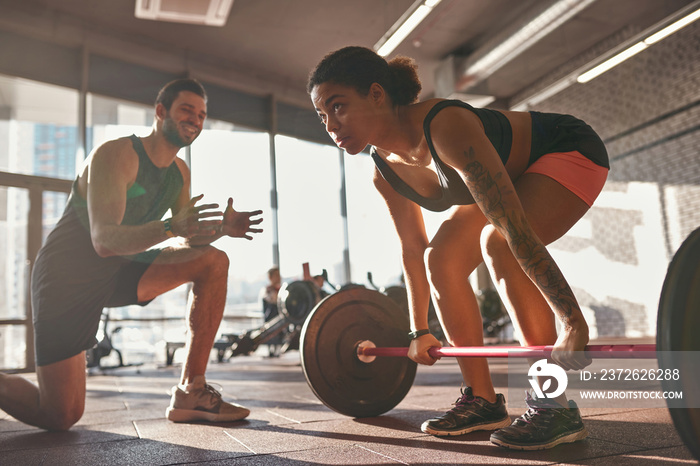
(112, 169)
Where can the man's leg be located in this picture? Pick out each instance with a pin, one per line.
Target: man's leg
(56, 404)
(207, 268)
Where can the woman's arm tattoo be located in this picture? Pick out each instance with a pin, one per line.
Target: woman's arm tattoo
(531, 254)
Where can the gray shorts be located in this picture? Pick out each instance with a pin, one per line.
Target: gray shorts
(62, 331)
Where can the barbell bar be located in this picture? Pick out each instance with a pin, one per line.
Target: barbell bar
(367, 351)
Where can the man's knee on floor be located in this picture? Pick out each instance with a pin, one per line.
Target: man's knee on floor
(63, 418)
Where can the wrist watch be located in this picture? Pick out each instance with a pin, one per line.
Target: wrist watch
(418, 333)
(168, 229)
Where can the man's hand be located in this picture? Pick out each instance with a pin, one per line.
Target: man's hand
(187, 222)
(238, 224)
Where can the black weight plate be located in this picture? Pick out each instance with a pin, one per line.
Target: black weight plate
(328, 353)
(678, 322)
(399, 295)
(295, 300)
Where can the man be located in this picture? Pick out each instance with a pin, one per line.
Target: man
(270, 311)
(101, 255)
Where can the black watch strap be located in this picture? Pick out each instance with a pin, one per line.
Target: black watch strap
(168, 228)
(418, 333)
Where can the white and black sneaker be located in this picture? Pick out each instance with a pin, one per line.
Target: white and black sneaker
(470, 413)
(546, 424)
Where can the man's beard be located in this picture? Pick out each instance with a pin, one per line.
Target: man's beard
(172, 135)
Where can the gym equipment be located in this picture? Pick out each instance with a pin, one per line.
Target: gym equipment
(104, 347)
(346, 333)
(366, 351)
(335, 374)
(295, 301)
(354, 348)
(676, 326)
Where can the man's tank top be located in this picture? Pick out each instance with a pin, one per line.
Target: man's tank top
(149, 198)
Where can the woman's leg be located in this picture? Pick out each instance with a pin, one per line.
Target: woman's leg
(552, 210)
(451, 257)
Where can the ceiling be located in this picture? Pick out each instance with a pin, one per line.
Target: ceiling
(269, 46)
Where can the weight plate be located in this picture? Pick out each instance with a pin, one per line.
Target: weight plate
(329, 359)
(399, 295)
(295, 300)
(676, 336)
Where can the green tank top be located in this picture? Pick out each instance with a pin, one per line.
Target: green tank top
(149, 198)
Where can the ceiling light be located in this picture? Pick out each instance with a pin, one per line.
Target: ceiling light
(667, 31)
(595, 68)
(638, 47)
(206, 12)
(516, 42)
(611, 62)
(404, 26)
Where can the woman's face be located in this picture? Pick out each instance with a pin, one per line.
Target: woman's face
(347, 115)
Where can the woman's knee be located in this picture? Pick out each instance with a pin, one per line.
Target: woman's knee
(436, 262)
(493, 246)
(442, 264)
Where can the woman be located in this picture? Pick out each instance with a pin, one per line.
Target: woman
(517, 181)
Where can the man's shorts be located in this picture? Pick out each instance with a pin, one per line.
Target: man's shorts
(73, 329)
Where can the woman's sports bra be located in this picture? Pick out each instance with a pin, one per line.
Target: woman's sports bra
(453, 189)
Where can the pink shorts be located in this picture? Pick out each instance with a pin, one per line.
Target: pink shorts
(573, 171)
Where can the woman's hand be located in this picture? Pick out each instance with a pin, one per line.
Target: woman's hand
(568, 350)
(418, 351)
(238, 224)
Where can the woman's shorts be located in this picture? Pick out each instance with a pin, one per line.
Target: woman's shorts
(573, 171)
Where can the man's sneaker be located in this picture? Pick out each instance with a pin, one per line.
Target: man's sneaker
(470, 413)
(200, 402)
(545, 425)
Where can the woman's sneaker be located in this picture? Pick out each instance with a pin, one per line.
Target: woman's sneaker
(546, 424)
(469, 414)
(201, 402)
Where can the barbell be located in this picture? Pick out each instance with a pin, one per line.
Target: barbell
(354, 347)
(367, 351)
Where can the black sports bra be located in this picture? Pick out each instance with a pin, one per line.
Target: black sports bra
(454, 191)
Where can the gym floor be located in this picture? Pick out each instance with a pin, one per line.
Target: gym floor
(124, 423)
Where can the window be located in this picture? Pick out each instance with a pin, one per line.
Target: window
(374, 245)
(228, 162)
(39, 128)
(310, 223)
